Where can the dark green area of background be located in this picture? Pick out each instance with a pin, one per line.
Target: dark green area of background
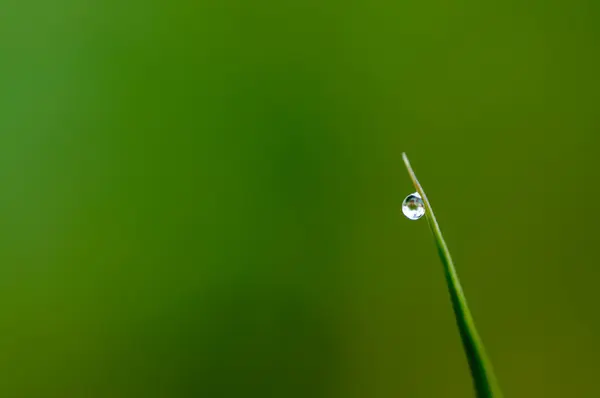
(202, 199)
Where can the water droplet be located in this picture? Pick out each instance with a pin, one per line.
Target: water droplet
(413, 207)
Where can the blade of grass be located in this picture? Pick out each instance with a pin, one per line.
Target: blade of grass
(482, 373)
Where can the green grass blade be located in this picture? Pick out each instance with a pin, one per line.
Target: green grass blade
(484, 380)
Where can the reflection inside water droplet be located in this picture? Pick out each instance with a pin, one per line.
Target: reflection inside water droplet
(413, 207)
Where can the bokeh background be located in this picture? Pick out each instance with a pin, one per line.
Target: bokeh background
(202, 198)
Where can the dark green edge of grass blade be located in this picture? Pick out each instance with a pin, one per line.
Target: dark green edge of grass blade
(484, 380)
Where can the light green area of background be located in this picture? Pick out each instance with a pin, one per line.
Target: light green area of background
(202, 198)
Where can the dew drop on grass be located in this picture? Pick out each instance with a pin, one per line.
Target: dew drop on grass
(413, 207)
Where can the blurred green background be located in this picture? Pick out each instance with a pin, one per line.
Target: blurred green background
(202, 198)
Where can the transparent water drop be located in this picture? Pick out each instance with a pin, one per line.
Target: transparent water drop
(413, 207)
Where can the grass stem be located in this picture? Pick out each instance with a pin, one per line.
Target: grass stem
(482, 373)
